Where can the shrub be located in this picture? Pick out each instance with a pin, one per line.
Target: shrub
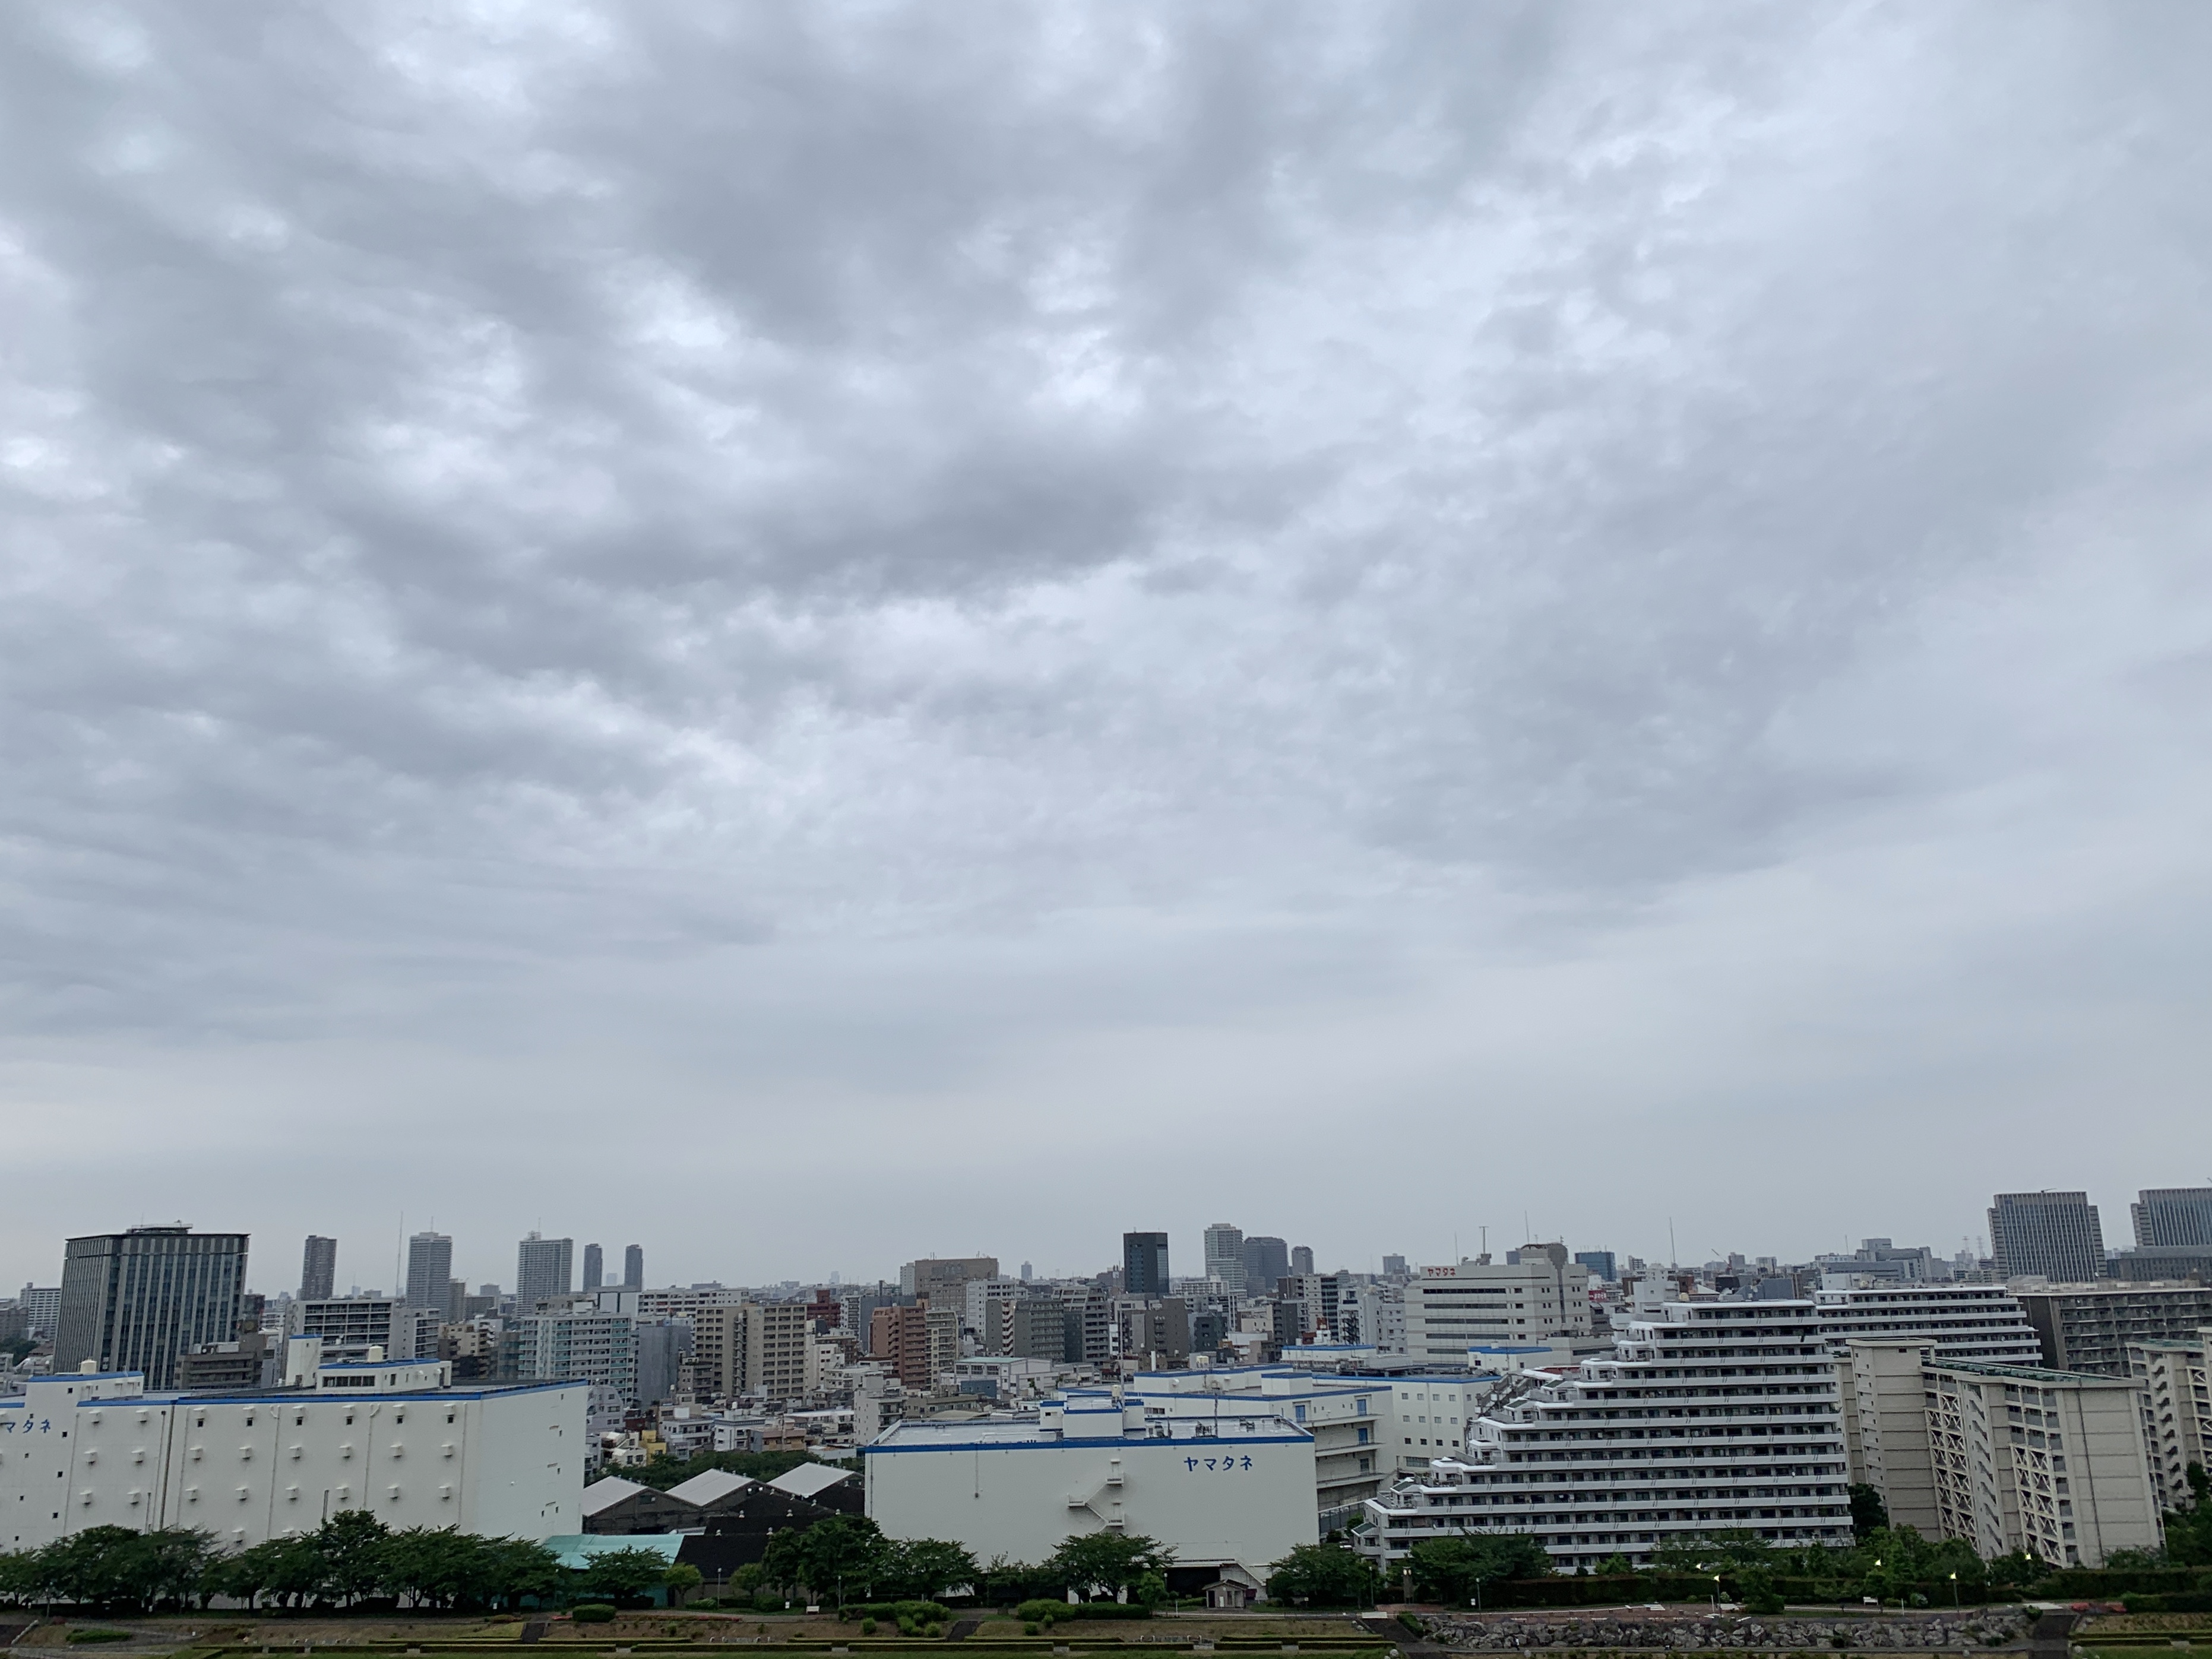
(867, 1627)
(592, 1613)
(915, 1610)
(1029, 1629)
(1041, 1611)
(1413, 1624)
(77, 1636)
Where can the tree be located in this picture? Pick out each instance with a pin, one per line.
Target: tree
(352, 1546)
(843, 1555)
(1454, 1569)
(1323, 1575)
(1730, 1549)
(923, 1568)
(622, 1575)
(1102, 1566)
(1868, 1512)
(682, 1578)
(2188, 1529)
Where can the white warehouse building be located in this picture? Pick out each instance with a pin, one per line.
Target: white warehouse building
(84, 1450)
(1227, 1484)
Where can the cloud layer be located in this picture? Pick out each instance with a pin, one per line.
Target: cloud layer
(1552, 609)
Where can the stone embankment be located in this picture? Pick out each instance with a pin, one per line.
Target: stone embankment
(1920, 1634)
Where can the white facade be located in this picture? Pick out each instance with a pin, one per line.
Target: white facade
(1233, 1489)
(1960, 1322)
(1449, 1309)
(81, 1450)
(2176, 1403)
(1348, 1417)
(1708, 1415)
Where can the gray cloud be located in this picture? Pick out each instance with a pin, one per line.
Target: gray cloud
(839, 558)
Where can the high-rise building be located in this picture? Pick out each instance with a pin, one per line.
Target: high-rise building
(1672, 1359)
(919, 1342)
(2176, 1405)
(1302, 1258)
(42, 1310)
(430, 1272)
(761, 1350)
(579, 1341)
(1480, 1303)
(1599, 1262)
(2088, 1327)
(1393, 1266)
(2047, 1235)
(134, 1301)
(1225, 1256)
(633, 1266)
(1144, 1264)
(2010, 1458)
(1266, 1261)
(543, 1268)
(1981, 1322)
(2172, 1217)
(943, 1276)
(319, 1268)
(595, 1267)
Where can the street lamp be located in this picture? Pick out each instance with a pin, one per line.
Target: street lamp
(1954, 1592)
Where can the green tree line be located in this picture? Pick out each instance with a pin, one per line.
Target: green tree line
(351, 1559)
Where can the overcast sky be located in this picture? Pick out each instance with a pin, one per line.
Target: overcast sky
(812, 634)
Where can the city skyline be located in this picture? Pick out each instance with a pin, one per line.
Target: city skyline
(452, 1257)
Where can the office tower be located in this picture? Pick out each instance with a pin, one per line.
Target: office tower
(430, 1271)
(133, 1301)
(2046, 1235)
(1393, 1266)
(1482, 1304)
(543, 1268)
(319, 1268)
(1225, 1256)
(1301, 1259)
(943, 1276)
(595, 1267)
(2172, 1218)
(457, 1300)
(1266, 1261)
(1144, 1264)
(1600, 1262)
(1025, 1272)
(633, 1268)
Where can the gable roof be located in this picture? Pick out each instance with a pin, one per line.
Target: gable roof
(709, 1486)
(809, 1478)
(605, 1494)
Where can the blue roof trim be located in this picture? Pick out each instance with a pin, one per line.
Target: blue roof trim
(1227, 1443)
(349, 1396)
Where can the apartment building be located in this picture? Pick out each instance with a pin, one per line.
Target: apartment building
(2176, 1411)
(1960, 1322)
(1478, 1301)
(920, 1343)
(2007, 1457)
(583, 1341)
(755, 1350)
(2087, 1327)
(1707, 1415)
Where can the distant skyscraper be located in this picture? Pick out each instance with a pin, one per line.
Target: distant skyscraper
(1301, 1259)
(430, 1271)
(134, 1301)
(634, 1266)
(2172, 1218)
(1393, 1266)
(1600, 1262)
(1025, 1272)
(319, 1268)
(1144, 1264)
(2053, 1236)
(543, 1268)
(1224, 1255)
(1266, 1261)
(595, 1267)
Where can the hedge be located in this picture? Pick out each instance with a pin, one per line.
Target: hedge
(922, 1612)
(2179, 1601)
(1061, 1612)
